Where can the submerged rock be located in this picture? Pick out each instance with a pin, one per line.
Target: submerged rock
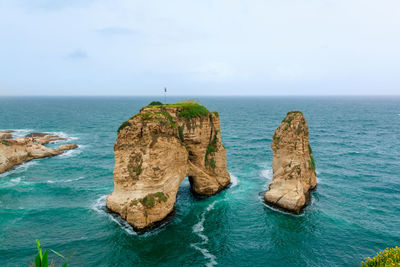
(19, 150)
(293, 165)
(155, 150)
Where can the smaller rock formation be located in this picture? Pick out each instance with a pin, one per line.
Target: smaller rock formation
(21, 149)
(155, 150)
(293, 165)
(4, 135)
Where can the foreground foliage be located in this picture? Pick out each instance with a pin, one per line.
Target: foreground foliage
(42, 260)
(385, 258)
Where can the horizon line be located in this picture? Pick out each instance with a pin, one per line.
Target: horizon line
(260, 95)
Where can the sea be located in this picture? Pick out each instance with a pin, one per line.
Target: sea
(353, 213)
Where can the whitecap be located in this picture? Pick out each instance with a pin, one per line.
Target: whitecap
(76, 179)
(198, 229)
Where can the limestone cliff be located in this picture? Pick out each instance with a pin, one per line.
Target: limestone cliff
(19, 150)
(155, 150)
(293, 164)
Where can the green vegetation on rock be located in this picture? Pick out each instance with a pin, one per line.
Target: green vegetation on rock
(189, 108)
(309, 148)
(149, 201)
(276, 138)
(311, 163)
(155, 103)
(123, 125)
(290, 116)
(137, 169)
(211, 148)
(294, 112)
(161, 117)
(180, 130)
(387, 257)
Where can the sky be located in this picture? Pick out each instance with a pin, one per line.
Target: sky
(207, 47)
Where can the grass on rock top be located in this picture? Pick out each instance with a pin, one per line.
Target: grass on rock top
(189, 108)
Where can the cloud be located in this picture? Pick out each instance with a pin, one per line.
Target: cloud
(78, 54)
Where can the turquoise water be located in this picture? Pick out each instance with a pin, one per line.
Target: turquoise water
(355, 210)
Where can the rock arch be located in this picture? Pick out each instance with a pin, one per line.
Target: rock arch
(155, 150)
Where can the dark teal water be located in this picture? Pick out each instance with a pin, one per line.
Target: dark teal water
(355, 210)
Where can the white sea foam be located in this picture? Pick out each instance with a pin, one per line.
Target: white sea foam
(198, 229)
(267, 173)
(100, 207)
(66, 181)
(72, 152)
(19, 168)
(16, 180)
(234, 180)
(206, 254)
(63, 135)
(19, 132)
(5, 183)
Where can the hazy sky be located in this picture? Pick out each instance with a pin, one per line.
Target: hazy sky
(219, 47)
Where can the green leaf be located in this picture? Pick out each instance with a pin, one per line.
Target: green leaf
(57, 253)
(39, 249)
(37, 261)
(64, 265)
(45, 260)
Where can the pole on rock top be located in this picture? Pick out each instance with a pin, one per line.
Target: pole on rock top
(165, 95)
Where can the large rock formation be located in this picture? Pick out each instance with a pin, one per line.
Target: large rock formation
(19, 150)
(155, 150)
(293, 165)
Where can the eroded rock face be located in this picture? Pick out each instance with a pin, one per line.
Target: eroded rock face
(155, 150)
(293, 165)
(21, 149)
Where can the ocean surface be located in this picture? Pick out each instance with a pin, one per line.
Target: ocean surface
(354, 212)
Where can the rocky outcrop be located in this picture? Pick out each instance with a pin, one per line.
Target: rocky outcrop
(19, 150)
(155, 150)
(5, 135)
(293, 165)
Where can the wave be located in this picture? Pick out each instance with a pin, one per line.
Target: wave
(66, 181)
(198, 229)
(63, 135)
(72, 152)
(234, 181)
(267, 173)
(10, 183)
(100, 207)
(19, 168)
(19, 132)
